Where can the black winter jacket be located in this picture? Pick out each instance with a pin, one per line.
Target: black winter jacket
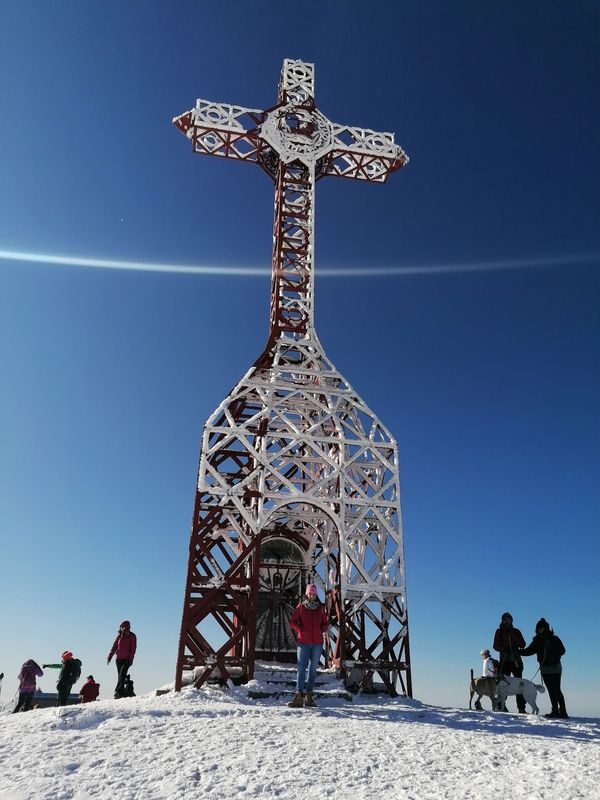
(547, 647)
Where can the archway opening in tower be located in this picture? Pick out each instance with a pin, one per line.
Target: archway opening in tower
(300, 546)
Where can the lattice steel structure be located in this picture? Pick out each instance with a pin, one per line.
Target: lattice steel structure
(298, 479)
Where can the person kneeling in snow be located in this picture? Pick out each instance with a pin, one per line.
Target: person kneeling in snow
(89, 691)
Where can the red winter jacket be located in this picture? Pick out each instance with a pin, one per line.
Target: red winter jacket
(310, 625)
(89, 691)
(125, 644)
(508, 642)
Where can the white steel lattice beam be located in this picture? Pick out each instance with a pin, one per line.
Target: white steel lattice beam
(293, 452)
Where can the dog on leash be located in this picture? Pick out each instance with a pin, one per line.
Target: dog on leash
(508, 685)
(483, 687)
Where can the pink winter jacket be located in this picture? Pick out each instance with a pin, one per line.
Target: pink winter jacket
(310, 625)
(29, 672)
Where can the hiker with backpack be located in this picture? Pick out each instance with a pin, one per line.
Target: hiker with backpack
(70, 670)
(309, 622)
(509, 641)
(26, 677)
(489, 668)
(124, 648)
(549, 649)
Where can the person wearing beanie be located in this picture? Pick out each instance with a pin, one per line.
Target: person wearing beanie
(309, 623)
(508, 641)
(124, 647)
(548, 648)
(70, 670)
(89, 691)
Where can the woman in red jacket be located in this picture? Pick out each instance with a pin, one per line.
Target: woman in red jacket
(124, 646)
(309, 622)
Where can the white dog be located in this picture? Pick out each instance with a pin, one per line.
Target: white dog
(508, 685)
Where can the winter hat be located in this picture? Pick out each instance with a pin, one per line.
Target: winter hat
(541, 624)
(507, 616)
(311, 589)
(484, 653)
(67, 655)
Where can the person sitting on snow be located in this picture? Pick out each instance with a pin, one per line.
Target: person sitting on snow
(89, 691)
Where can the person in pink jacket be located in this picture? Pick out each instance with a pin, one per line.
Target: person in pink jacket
(309, 623)
(124, 647)
(29, 672)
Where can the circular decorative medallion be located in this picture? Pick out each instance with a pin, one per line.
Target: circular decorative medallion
(297, 133)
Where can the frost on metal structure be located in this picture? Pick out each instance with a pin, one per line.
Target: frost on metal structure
(298, 479)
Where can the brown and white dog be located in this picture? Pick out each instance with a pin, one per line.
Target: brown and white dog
(483, 687)
(508, 685)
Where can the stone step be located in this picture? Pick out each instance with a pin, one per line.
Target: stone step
(259, 694)
(273, 680)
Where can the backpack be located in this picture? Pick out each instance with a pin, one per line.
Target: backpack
(127, 687)
(75, 671)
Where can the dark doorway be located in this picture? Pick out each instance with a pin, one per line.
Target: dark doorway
(282, 577)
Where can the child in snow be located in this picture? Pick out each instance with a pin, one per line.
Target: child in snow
(124, 647)
(89, 691)
(29, 672)
(309, 622)
(489, 667)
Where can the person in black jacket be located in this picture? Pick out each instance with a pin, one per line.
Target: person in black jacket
(70, 670)
(548, 648)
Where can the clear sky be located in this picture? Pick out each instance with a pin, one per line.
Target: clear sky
(488, 378)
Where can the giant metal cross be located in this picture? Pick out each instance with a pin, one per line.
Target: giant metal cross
(296, 145)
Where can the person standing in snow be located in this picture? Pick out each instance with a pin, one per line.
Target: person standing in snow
(309, 622)
(489, 668)
(124, 647)
(509, 641)
(548, 648)
(26, 677)
(89, 691)
(70, 670)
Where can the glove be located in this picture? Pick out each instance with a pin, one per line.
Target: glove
(108, 660)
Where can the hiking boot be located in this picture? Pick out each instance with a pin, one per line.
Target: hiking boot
(562, 714)
(552, 715)
(298, 701)
(309, 702)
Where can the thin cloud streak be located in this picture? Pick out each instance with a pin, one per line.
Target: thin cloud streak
(326, 272)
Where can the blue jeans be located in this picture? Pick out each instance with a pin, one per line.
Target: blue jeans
(306, 653)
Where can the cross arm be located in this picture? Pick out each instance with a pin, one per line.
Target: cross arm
(362, 154)
(222, 129)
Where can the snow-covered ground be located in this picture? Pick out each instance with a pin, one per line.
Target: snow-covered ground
(213, 743)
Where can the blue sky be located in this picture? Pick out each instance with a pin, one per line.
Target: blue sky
(488, 378)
